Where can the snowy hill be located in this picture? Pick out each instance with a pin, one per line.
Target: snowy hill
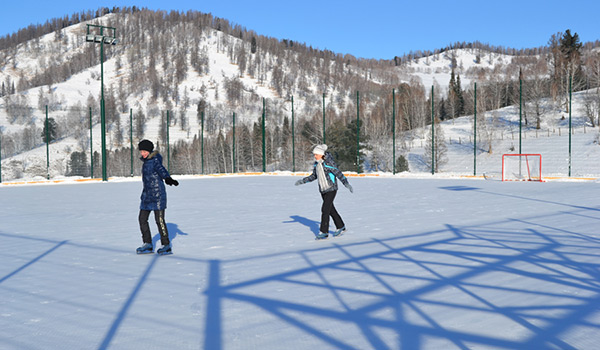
(218, 70)
(436, 69)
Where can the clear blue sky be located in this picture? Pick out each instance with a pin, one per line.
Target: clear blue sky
(368, 29)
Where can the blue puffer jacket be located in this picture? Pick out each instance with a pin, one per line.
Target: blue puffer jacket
(154, 195)
(331, 172)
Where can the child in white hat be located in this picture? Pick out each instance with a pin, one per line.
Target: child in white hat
(326, 172)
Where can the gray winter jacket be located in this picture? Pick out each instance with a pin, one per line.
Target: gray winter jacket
(331, 173)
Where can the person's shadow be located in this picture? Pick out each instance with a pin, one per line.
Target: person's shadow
(174, 231)
(314, 226)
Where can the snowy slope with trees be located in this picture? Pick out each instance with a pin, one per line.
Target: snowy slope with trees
(193, 65)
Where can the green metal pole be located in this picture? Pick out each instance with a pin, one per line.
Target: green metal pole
(264, 164)
(168, 145)
(432, 136)
(102, 110)
(324, 118)
(394, 131)
(293, 140)
(570, 130)
(233, 165)
(202, 141)
(47, 146)
(520, 113)
(357, 133)
(475, 131)
(91, 148)
(131, 137)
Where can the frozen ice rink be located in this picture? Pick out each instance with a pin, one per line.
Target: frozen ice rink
(426, 264)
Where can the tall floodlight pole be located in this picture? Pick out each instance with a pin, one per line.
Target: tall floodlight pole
(102, 39)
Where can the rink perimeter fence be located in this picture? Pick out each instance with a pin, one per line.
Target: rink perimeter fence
(93, 146)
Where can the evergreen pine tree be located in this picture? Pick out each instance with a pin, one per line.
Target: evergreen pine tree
(341, 140)
(78, 164)
(402, 164)
(52, 131)
(451, 94)
(443, 113)
(460, 101)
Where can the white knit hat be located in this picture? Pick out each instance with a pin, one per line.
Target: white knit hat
(320, 149)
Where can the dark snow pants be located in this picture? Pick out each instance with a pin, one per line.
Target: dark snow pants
(159, 216)
(328, 210)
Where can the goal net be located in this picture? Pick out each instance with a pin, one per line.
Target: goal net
(521, 167)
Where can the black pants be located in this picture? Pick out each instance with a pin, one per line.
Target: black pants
(328, 210)
(159, 216)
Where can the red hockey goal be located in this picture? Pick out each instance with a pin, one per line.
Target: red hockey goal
(521, 167)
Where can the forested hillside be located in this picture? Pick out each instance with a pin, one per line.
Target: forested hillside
(202, 70)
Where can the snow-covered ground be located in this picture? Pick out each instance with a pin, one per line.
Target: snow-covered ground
(427, 264)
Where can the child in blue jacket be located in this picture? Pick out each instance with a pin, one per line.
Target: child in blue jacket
(154, 198)
(326, 172)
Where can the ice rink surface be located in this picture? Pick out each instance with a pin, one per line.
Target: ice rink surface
(425, 264)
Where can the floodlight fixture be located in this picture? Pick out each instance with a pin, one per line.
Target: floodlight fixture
(110, 40)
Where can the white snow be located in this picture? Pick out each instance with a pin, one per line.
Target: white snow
(430, 263)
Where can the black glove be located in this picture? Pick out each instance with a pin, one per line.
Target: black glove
(349, 187)
(170, 181)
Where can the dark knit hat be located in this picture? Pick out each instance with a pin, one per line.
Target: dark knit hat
(146, 145)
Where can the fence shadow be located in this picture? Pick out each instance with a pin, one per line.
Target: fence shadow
(456, 288)
(510, 284)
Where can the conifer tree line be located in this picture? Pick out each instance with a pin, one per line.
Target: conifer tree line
(160, 49)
